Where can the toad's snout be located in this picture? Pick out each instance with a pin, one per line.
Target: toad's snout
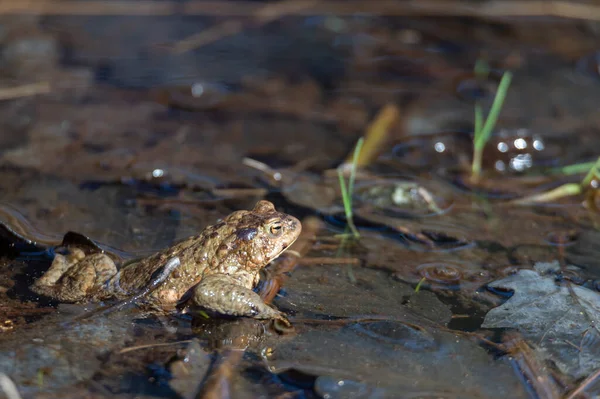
(293, 226)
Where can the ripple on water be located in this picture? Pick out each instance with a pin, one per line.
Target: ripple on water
(561, 238)
(442, 273)
(448, 276)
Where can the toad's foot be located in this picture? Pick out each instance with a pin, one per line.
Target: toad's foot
(221, 294)
(76, 277)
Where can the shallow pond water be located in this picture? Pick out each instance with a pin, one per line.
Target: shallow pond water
(127, 129)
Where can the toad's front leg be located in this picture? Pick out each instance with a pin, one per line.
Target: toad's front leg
(221, 293)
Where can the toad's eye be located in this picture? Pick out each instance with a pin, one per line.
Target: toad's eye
(275, 229)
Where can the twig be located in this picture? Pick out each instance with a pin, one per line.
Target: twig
(263, 15)
(75, 7)
(137, 347)
(323, 247)
(8, 387)
(584, 384)
(329, 261)
(210, 35)
(240, 192)
(489, 9)
(32, 89)
(273, 174)
(525, 362)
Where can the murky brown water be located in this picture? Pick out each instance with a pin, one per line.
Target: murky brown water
(137, 138)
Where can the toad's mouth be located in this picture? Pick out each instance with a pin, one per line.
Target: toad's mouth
(285, 248)
(294, 226)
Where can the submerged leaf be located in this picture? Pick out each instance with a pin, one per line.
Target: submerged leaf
(560, 325)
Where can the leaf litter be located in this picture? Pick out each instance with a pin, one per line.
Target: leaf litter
(560, 321)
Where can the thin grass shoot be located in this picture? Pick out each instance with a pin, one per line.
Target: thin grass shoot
(568, 189)
(348, 189)
(419, 284)
(483, 129)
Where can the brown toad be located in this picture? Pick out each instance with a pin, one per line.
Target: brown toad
(218, 267)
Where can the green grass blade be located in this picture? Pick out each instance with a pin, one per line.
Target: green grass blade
(477, 152)
(482, 133)
(482, 69)
(347, 200)
(345, 197)
(566, 190)
(418, 287)
(357, 149)
(573, 169)
(347, 191)
(592, 174)
(478, 119)
(492, 118)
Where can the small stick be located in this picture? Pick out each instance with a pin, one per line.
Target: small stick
(134, 348)
(525, 362)
(329, 261)
(210, 35)
(263, 167)
(584, 384)
(32, 89)
(8, 387)
(493, 9)
(263, 15)
(240, 192)
(323, 246)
